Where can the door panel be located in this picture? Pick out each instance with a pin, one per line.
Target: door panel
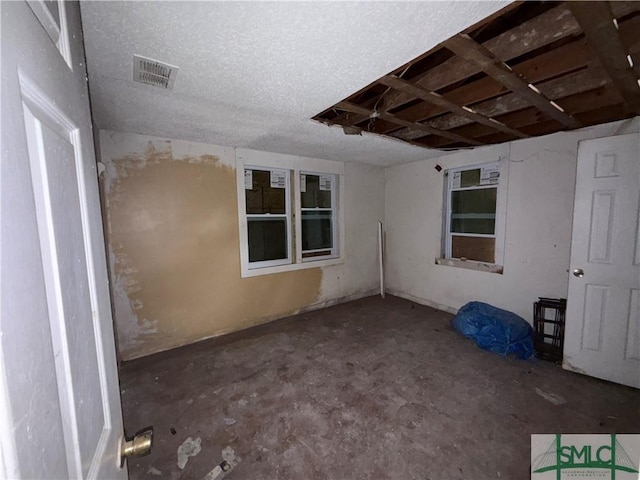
(602, 213)
(58, 372)
(632, 348)
(595, 306)
(602, 332)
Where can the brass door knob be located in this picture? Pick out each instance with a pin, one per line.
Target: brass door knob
(138, 446)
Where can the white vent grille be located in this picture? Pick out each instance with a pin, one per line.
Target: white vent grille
(153, 72)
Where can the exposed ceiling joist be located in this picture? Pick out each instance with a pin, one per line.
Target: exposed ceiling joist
(561, 61)
(556, 70)
(598, 25)
(437, 99)
(530, 70)
(350, 107)
(535, 33)
(558, 88)
(465, 47)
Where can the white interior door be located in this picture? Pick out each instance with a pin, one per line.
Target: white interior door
(602, 336)
(59, 394)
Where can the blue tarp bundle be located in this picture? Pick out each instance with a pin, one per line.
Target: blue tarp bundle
(494, 329)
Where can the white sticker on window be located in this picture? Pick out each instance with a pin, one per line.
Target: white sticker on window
(303, 182)
(489, 175)
(325, 182)
(248, 179)
(278, 178)
(456, 179)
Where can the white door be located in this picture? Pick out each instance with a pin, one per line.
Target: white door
(59, 396)
(602, 335)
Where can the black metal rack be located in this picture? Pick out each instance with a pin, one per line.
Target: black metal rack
(548, 328)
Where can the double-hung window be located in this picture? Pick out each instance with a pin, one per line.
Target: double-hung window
(472, 230)
(290, 213)
(268, 216)
(318, 215)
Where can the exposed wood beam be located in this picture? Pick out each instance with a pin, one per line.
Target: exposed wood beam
(560, 61)
(535, 33)
(596, 21)
(563, 60)
(437, 99)
(465, 47)
(521, 119)
(550, 26)
(350, 107)
(556, 89)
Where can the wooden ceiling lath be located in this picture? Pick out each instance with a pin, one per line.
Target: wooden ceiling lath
(532, 69)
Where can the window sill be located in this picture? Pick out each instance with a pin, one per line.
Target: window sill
(470, 265)
(256, 272)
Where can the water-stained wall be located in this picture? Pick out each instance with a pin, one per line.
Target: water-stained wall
(173, 240)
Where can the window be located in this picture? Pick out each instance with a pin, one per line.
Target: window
(317, 210)
(473, 223)
(268, 214)
(290, 214)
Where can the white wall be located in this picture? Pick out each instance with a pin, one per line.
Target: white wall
(540, 189)
(364, 206)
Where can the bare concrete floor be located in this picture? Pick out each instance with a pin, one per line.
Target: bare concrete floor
(369, 389)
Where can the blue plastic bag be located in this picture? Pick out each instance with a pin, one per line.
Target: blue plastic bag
(494, 329)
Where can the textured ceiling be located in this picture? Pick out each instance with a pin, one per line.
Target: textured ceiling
(252, 74)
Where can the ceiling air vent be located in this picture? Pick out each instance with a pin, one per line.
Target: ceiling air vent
(153, 72)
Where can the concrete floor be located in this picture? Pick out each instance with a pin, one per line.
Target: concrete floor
(368, 389)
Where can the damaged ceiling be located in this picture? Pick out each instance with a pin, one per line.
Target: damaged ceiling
(253, 74)
(531, 69)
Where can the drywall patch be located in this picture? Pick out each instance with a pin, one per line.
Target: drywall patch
(174, 244)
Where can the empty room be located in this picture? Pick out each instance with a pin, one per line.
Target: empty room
(320, 240)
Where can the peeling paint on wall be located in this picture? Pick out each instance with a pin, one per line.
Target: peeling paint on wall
(173, 236)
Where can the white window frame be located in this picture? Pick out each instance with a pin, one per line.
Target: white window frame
(335, 191)
(286, 216)
(266, 161)
(500, 218)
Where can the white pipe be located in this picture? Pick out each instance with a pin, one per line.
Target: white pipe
(381, 257)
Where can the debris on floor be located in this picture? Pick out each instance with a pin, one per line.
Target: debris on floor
(551, 397)
(230, 460)
(189, 448)
(229, 455)
(154, 471)
(218, 470)
(341, 399)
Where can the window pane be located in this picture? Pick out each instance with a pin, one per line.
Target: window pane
(480, 249)
(317, 230)
(470, 178)
(267, 239)
(262, 198)
(473, 211)
(311, 196)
